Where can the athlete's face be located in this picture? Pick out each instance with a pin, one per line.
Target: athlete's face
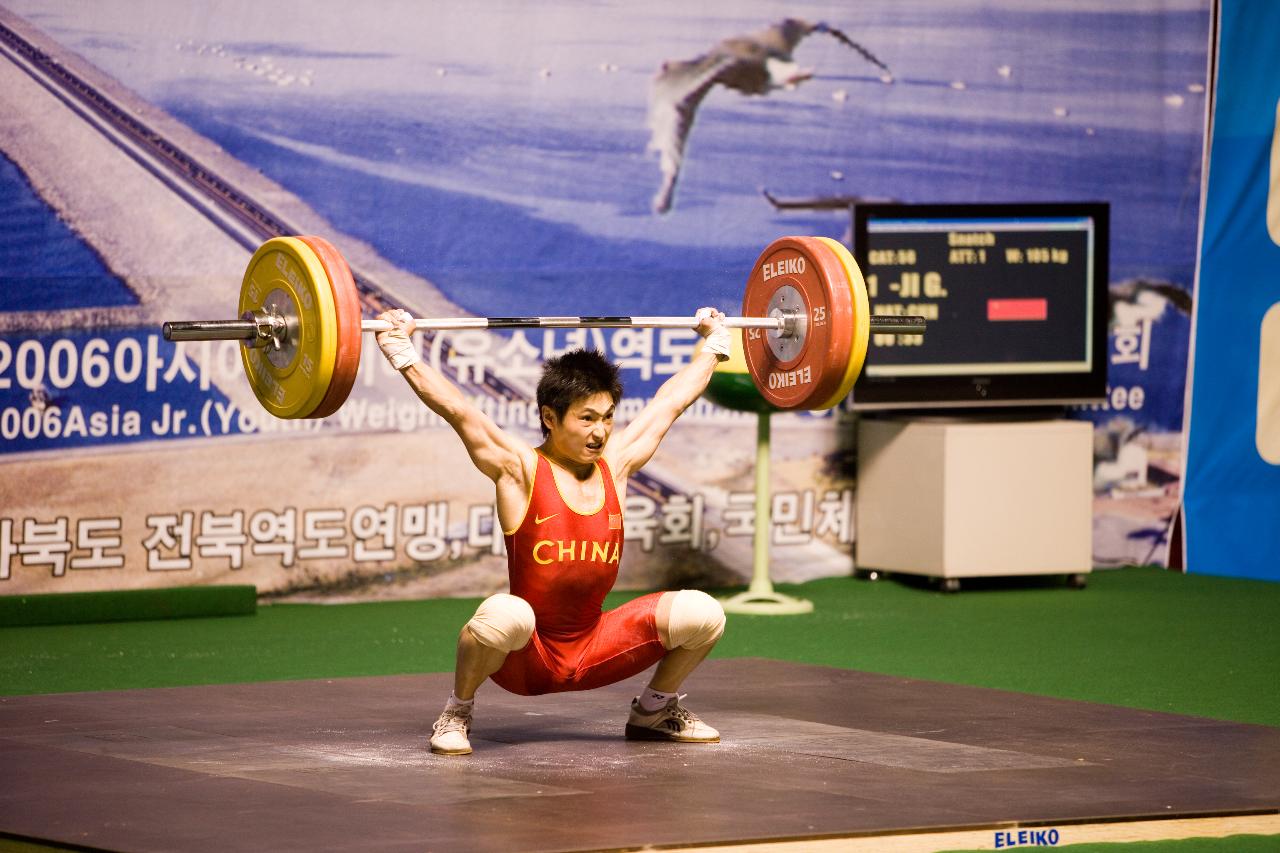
(585, 428)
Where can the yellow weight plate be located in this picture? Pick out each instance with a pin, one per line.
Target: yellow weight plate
(286, 276)
(861, 322)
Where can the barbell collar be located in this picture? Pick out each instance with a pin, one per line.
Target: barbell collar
(210, 330)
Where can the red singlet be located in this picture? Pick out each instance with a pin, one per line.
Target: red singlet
(563, 563)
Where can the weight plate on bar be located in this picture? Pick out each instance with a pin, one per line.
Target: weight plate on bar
(861, 321)
(815, 372)
(296, 388)
(346, 302)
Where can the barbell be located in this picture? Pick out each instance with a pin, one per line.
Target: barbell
(806, 326)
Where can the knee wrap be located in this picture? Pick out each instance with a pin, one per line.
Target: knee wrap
(503, 622)
(696, 620)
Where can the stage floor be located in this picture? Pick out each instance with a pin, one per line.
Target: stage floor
(807, 752)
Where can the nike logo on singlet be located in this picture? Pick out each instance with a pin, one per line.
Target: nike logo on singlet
(545, 518)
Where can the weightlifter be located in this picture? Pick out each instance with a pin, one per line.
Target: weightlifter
(560, 507)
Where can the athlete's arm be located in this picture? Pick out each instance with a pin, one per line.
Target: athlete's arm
(639, 440)
(498, 455)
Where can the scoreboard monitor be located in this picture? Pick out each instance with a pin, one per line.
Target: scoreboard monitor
(1016, 298)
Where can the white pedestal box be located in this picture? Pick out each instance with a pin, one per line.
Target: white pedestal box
(957, 498)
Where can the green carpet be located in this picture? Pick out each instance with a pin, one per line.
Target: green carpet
(1142, 638)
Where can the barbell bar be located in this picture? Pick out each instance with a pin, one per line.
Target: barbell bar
(806, 325)
(271, 326)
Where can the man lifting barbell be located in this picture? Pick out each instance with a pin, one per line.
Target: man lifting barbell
(560, 507)
(806, 327)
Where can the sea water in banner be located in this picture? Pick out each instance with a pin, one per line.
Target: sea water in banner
(496, 160)
(1233, 452)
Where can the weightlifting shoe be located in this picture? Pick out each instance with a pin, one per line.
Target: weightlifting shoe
(449, 734)
(672, 722)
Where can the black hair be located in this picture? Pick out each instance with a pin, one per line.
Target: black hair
(572, 376)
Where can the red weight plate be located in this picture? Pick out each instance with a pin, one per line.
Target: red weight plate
(812, 375)
(831, 312)
(346, 301)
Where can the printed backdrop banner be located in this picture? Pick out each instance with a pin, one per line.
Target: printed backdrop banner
(1232, 500)
(524, 159)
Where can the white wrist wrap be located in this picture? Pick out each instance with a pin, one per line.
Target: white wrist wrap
(718, 342)
(399, 350)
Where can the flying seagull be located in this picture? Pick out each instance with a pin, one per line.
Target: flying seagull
(1149, 293)
(753, 65)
